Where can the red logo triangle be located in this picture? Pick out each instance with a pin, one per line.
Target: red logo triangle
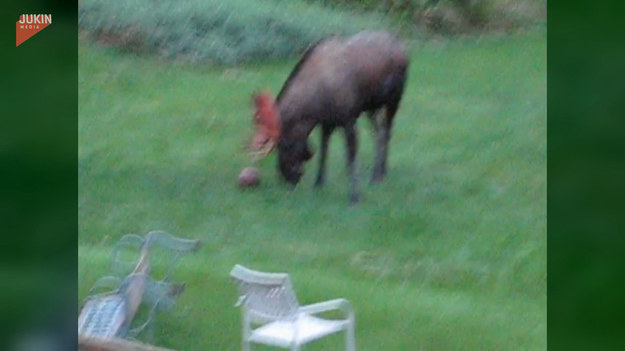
(29, 25)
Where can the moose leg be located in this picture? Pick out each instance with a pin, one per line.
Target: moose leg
(388, 125)
(376, 122)
(383, 135)
(326, 131)
(350, 138)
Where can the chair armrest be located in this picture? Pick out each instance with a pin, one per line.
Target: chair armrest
(337, 304)
(111, 283)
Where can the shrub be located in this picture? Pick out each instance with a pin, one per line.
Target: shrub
(224, 32)
(454, 16)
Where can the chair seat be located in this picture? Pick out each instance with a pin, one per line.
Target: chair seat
(309, 328)
(103, 316)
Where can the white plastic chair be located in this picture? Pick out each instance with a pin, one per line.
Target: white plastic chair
(272, 315)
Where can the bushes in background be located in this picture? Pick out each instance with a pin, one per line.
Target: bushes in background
(224, 32)
(455, 16)
(234, 31)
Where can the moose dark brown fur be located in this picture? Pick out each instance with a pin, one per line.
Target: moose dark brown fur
(333, 83)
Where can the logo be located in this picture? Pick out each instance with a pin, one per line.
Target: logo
(29, 25)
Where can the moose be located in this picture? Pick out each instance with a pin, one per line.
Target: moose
(333, 83)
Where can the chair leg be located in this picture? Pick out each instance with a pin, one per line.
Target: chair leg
(246, 330)
(350, 338)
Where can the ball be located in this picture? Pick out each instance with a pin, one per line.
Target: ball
(248, 177)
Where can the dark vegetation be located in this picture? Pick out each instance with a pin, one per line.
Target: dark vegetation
(224, 32)
(235, 31)
(454, 16)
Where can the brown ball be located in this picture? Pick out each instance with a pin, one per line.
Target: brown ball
(248, 177)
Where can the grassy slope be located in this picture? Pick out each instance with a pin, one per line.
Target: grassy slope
(448, 254)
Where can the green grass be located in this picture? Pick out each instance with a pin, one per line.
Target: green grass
(449, 253)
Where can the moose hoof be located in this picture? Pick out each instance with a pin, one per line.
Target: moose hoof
(377, 178)
(354, 199)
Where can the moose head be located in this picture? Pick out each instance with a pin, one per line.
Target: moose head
(292, 153)
(293, 149)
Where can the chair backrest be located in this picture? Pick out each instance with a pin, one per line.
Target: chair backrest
(264, 296)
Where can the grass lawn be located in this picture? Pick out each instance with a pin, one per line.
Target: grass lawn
(449, 253)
